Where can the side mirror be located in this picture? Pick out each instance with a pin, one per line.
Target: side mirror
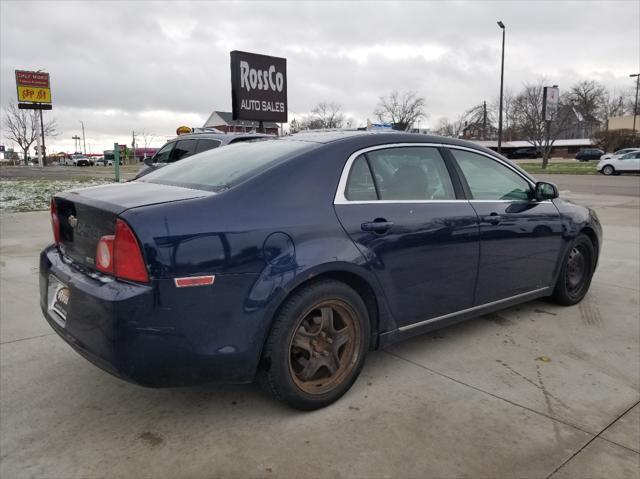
(546, 191)
(148, 161)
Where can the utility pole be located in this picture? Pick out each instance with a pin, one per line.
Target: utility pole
(635, 108)
(84, 145)
(484, 121)
(501, 25)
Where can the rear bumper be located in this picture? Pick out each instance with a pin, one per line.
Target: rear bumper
(155, 335)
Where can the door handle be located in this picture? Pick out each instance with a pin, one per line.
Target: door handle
(378, 225)
(493, 218)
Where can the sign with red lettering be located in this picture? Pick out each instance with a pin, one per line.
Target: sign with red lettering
(33, 87)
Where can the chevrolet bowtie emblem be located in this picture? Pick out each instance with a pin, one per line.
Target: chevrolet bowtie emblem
(73, 221)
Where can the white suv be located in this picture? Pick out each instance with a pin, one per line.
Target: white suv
(627, 163)
(621, 152)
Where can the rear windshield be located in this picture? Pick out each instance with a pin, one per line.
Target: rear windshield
(225, 167)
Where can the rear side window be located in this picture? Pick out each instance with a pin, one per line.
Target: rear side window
(164, 153)
(204, 145)
(223, 168)
(360, 186)
(183, 149)
(489, 179)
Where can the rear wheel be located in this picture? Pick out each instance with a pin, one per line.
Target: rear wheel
(317, 345)
(577, 271)
(608, 170)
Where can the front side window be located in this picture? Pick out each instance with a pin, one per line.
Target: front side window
(489, 179)
(400, 174)
(164, 153)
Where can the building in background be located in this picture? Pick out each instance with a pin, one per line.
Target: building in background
(223, 121)
(476, 131)
(623, 123)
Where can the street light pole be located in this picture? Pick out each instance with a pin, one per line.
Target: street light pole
(501, 25)
(84, 145)
(635, 108)
(76, 143)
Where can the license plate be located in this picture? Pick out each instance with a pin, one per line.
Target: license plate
(58, 300)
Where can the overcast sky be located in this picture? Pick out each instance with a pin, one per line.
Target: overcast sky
(125, 65)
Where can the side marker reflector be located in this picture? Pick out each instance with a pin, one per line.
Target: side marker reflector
(194, 281)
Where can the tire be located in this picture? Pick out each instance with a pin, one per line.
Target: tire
(317, 345)
(608, 170)
(576, 273)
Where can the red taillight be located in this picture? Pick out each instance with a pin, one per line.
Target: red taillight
(129, 263)
(121, 256)
(55, 222)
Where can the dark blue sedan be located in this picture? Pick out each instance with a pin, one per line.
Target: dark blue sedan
(287, 260)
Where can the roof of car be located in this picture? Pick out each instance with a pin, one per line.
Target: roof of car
(225, 138)
(383, 136)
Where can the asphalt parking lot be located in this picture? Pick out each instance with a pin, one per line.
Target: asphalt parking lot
(534, 391)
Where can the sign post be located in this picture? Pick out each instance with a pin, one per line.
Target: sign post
(550, 101)
(258, 87)
(116, 160)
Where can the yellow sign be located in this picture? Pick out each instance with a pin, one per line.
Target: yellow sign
(33, 94)
(33, 87)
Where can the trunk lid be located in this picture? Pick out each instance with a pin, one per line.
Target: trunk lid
(87, 214)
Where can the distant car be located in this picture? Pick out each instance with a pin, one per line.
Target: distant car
(629, 163)
(186, 145)
(589, 154)
(621, 152)
(81, 160)
(521, 153)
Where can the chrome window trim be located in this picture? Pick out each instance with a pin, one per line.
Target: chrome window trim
(341, 199)
(473, 308)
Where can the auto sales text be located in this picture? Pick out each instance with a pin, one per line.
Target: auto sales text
(257, 105)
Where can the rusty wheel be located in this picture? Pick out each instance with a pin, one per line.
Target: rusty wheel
(317, 345)
(324, 348)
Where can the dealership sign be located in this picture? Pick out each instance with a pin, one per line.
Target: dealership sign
(33, 87)
(258, 87)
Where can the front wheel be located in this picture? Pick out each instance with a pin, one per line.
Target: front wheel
(608, 170)
(576, 273)
(317, 345)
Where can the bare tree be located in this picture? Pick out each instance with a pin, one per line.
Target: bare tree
(630, 103)
(147, 139)
(329, 115)
(311, 122)
(614, 105)
(402, 111)
(21, 127)
(588, 97)
(294, 126)
(452, 129)
(509, 130)
(531, 123)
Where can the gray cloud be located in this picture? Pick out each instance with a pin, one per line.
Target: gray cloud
(120, 66)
